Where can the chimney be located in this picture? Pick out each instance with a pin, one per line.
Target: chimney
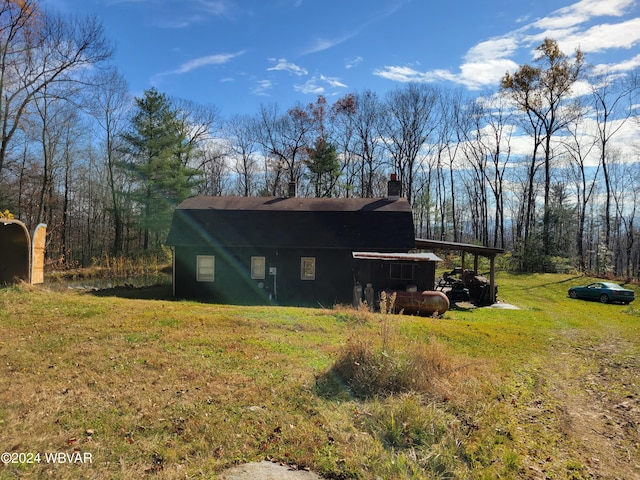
(292, 189)
(394, 188)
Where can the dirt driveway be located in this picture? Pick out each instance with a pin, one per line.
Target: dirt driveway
(589, 403)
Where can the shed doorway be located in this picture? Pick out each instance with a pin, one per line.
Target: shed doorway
(20, 260)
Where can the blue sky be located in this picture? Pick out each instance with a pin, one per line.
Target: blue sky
(238, 54)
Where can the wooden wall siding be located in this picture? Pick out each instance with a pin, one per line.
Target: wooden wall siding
(37, 257)
(379, 274)
(233, 283)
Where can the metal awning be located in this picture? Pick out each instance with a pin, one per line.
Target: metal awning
(407, 257)
(463, 247)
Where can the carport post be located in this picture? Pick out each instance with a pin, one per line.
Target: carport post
(492, 279)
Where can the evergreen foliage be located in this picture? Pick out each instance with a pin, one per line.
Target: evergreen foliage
(156, 146)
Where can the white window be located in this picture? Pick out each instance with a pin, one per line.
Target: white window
(205, 268)
(258, 267)
(308, 268)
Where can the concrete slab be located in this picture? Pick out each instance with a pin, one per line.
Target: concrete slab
(267, 471)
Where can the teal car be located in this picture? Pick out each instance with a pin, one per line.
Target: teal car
(605, 292)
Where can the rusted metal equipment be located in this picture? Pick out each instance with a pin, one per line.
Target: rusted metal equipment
(462, 285)
(424, 303)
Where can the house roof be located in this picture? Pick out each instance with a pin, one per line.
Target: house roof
(355, 223)
(297, 204)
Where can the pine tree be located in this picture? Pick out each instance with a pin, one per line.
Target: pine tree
(324, 167)
(156, 146)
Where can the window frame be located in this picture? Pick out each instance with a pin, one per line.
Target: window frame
(258, 272)
(401, 270)
(307, 268)
(200, 275)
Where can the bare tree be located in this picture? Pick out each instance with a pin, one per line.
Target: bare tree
(579, 146)
(613, 99)
(368, 140)
(343, 113)
(490, 138)
(240, 133)
(108, 103)
(284, 139)
(38, 50)
(213, 170)
(455, 121)
(544, 94)
(624, 188)
(198, 124)
(408, 124)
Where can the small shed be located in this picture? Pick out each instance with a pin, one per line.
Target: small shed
(289, 251)
(21, 260)
(396, 271)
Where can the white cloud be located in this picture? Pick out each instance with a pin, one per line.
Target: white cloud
(283, 65)
(214, 7)
(480, 74)
(473, 75)
(333, 82)
(404, 74)
(353, 62)
(176, 14)
(310, 86)
(492, 49)
(318, 84)
(262, 88)
(625, 66)
(200, 62)
(581, 12)
(602, 37)
(217, 59)
(485, 63)
(320, 44)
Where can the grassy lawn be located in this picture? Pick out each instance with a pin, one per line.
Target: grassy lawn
(143, 387)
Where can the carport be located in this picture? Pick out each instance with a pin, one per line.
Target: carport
(475, 250)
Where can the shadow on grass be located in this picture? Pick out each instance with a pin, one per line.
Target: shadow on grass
(330, 386)
(559, 282)
(462, 306)
(151, 292)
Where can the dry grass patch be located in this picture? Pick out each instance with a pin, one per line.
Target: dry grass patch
(382, 362)
(418, 400)
(164, 389)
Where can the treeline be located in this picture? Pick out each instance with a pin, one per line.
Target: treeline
(542, 167)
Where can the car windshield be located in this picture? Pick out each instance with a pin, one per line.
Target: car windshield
(612, 286)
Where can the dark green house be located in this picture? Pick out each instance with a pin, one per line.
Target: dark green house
(287, 251)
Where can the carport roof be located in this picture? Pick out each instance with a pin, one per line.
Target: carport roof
(422, 243)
